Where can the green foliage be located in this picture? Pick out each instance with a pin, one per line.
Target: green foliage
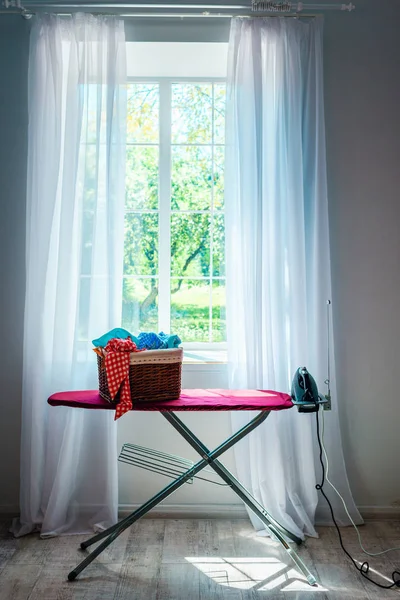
(141, 190)
(143, 111)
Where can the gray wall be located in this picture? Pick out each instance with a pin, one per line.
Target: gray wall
(362, 89)
(14, 41)
(362, 56)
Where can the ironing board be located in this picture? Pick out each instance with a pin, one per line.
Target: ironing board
(263, 401)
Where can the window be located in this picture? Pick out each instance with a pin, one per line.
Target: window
(174, 273)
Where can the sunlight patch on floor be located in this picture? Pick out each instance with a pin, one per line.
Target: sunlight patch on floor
(258, 574)
(372, 572)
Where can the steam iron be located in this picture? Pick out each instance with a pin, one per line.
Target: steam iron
(305, 392)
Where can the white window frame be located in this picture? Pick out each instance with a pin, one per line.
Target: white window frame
(164, 193)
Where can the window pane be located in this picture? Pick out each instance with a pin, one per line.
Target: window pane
(218, 311)
(141, 177)
(190, 309)
(141, 244)
(219, 165)
(190, 245)
(218, 245)
(191, 178)
(219, 113)
(143, 113)
(140, 305)
(191, 113)
(197, 285)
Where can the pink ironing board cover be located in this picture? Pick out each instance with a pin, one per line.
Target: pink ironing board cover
(188, 400)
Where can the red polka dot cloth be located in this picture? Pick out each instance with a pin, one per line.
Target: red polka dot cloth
(117, 369)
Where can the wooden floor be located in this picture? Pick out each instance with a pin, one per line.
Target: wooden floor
(193, 560)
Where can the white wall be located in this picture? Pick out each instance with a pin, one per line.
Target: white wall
(362, 90)
(362, 57)
(177, 59)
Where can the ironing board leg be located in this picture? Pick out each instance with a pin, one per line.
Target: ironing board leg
(115, 530)
(272, 525)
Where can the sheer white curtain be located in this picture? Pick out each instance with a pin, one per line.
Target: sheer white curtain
(278, 264)
(74, 258)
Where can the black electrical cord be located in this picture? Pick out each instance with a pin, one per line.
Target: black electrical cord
(364, 569)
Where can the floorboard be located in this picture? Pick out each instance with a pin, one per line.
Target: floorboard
(196, 559)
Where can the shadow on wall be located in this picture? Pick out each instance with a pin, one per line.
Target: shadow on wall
(14, 49)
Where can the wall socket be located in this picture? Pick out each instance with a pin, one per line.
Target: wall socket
(328, 404)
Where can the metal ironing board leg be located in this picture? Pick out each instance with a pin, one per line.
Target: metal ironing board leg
(208, 458)
(277, 530)
(115, 530)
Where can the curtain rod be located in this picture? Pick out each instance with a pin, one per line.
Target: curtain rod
(171, 10)
(29, 14)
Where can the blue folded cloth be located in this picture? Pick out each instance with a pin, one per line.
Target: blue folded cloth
(118, 332)
(157, 341)
(171, 341)
(148, 341)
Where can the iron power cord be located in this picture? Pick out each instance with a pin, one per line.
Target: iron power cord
(342, 499)
(364, 569)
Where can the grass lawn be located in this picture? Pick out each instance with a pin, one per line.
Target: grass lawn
(199, 296)
(190, 318)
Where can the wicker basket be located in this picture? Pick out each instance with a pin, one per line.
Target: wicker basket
(153, 375)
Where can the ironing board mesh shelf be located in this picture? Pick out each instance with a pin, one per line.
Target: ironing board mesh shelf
(162, 463)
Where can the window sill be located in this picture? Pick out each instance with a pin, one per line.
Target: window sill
(205, 366)
(204, 355)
